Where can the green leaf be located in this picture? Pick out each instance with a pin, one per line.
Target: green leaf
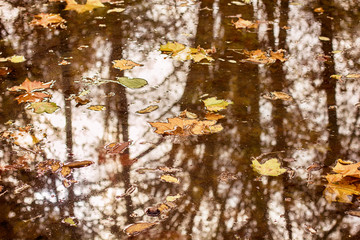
(44, 107)
(271, 167)
(132, 82)
(214, 105)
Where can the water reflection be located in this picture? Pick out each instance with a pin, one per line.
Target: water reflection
(320, 125)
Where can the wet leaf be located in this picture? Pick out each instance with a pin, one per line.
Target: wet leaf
(148, 109)
(337, 192)
(81, 8)
(70, 221)
(29, 86)
(48, 165)
(13, 59)
(170, 179)
(271, 167)
(322, 38)
(278, 96)
(215, 105)
(173, 198)
(78, 164)
(186, 127)
(117, 147)
(125, 64)
(347, 170)
(97, 108)
(48, 19)
(213, 116)
(187, 114)
(116, 10)
(181, 52)
(242, 23)
(32, 97)
(44, 107)
(137, 228)
(258, 56)
(132, 82)
(65, 171)
(353, 76)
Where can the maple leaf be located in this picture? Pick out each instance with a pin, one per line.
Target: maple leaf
(347, 170)
(242, 23)
(81, 8)
(271, 167)
(29, 86)
(32, 97)
(258, 56)
(125, 64)
(340, 192)
(48, 19)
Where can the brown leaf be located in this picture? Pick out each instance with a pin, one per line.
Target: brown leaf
(278, 96)
(125, 64)
(137, 228)
(242, 23)
(117, 147)
(148, 109)
(48, 19)
(29, 86)
(4, 71)
(78, 164)
(65, 171)
(213, 116)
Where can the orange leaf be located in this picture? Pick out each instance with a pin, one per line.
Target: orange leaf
(242, 23)
(29, 86)
(125, 64)
(48, 19)
(32, 97)
(350, 170)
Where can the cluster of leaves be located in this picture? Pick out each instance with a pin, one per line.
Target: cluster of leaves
(64, 170)
(343, 183)
(188, 123)
(181, 52)
(34, 93)
(258, 56)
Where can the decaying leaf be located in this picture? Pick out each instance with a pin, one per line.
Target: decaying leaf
(278, 96)
(48, 165)
(125, 64)
(215, 105)
(70, 221)
(347, 170)
(181, 52)
(132, 82)
(44, 107)
(170, 179)
(242, 23)
(48, 19)
(148, 109)
(271, 167)
(139, 227)
(97, 108)
(81, 8)
(116, 148)
(319, 10)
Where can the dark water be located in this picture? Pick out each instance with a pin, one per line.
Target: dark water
(222, 197)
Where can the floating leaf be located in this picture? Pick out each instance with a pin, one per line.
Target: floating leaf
(81, 8)
(319, 10)
(116, 10)
(340, 192)
(353, 213)
(242, 23)
(182, 53)
(170, 179)
(132, 82)
(13, 59)
(173, 198)
(278, 96)
(125, 64)
(215, 105)
(32, 97)
(65, 171)
(44, 107)
(48, 19)
(173, 47)
(322, 38)
(29, 86)
(353, 76)
(117, 147)
(213, 116)
(271, 167)
(69, 221)
(258, 56)
(137, 228)
(78, 164)
(148, 109)
(97, 108)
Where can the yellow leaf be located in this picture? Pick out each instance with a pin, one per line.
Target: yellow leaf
(97, 108)
(271, 167)
(125, 64)
(148, 109)
(138, 227)
(214, 105)
(170, 179)
(173, 198)
(322, 38)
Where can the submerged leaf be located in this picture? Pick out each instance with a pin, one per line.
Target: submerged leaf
(271, 167)
(137, 228)
(44, 107)
(215, 105)
(132, 82)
